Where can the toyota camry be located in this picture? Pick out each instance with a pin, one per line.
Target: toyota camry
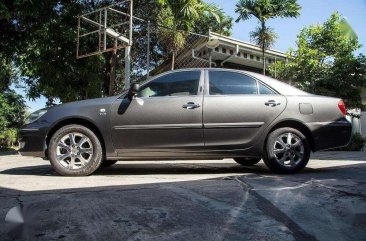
(189, 114)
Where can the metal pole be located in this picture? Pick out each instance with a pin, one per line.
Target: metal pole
(105, 29)
(100, 28)
(275, 60)
(210, 57)
(128, 51)
(77, 47)
(148, 50)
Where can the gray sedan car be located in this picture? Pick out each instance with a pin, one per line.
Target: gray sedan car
(190, 114)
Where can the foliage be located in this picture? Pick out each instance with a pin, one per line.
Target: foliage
(178, 17)
(38, 45)
(265, 10)
(6, 72)
(8, 138)
(208, 22)
(12, 110)
(263, 36)
(357, 143)
(324, 63)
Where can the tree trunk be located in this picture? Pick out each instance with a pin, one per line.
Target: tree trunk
(113, 70)
(84, 89)
(107, 69)
(264, 60)
(263, 47)
(173, 60)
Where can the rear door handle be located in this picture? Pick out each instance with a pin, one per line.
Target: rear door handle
(271, 103)
(191, 105)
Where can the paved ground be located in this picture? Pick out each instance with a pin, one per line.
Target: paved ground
(187, 200)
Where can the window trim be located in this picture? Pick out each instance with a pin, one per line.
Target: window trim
(267, 86)
(200, 83)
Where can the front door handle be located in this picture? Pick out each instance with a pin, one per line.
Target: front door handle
(191, 105)
(271, 103)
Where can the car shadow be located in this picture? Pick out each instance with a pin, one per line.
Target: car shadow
(174, 169)
(8, 152)
(148, 169)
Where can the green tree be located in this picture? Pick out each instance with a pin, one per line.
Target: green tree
(177, 17)
(209, 22)
(265, 10)
(38, 47)
(12, 111)
(324, 62)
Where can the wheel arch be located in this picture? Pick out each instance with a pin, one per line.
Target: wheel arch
(296, 124)
(74, 120)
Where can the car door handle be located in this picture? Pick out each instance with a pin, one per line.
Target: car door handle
(271, 103)
(191, 105)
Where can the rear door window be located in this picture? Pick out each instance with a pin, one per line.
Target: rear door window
(231, 83)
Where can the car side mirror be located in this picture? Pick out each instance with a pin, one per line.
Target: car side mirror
(133, 91)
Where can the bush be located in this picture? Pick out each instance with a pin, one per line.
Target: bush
(8, 138)
(357, 143)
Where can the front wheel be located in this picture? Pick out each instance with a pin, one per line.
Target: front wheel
(287, 151)
(75, 150)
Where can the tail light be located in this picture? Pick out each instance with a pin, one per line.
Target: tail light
(342, 107)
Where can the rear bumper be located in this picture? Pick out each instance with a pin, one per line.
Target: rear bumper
(32, 142)
(328, 135)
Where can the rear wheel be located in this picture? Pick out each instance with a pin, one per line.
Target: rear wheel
(75, 150)
(287, 151)
(247, 161)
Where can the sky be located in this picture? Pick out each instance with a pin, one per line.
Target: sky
(312, 12)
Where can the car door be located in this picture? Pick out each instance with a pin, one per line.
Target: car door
(165, 117)
(237, 108)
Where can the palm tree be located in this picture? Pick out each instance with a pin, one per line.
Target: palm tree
(265, 10)
(177, 17)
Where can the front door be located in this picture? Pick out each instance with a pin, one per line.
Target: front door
(165, 117)
(237, 108)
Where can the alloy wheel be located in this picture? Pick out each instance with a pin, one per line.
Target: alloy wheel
(74, 150)
(288, 149)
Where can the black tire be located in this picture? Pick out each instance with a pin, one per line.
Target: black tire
(247, 161)
(108, 163)
(95, 158)
(271, 160)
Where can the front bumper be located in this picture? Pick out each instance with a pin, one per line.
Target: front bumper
(32, 142)
(329, 135)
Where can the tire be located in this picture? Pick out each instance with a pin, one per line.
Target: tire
(247, 161)
(282, 157)
(85, 150)
(108, 163)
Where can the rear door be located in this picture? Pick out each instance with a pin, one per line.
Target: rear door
(237, 108)
(166, 116)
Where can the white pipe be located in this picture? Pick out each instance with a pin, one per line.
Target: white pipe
(228, 58)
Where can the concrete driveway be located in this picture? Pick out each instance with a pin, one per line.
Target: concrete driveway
(186, 200)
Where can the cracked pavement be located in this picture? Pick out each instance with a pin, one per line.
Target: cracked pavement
(187, 200)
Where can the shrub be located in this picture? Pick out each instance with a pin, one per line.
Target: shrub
(8, 138)
(357, 143)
